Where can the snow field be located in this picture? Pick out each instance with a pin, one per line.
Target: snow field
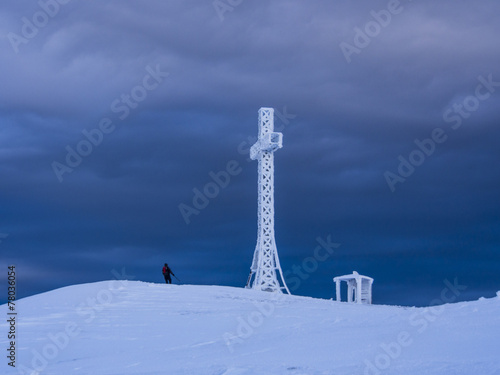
(131, 327)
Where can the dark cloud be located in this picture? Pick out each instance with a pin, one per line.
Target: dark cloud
(348, 124)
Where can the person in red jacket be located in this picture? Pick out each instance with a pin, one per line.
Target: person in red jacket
(166, 273)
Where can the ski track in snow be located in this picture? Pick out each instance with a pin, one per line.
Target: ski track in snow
(131, 327)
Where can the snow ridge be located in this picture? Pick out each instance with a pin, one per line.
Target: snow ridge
(131, 327)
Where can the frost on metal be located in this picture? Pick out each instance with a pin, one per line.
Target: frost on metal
(359, 287)
(266, 273)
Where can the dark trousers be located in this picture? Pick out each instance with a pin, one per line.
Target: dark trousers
(168, 279)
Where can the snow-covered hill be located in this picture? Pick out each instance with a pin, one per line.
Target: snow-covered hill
(130, 327)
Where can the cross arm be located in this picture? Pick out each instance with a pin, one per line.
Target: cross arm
(269, 142)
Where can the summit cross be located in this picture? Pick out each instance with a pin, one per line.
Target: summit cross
(265, 272)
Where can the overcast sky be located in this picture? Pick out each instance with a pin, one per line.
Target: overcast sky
(113, 113)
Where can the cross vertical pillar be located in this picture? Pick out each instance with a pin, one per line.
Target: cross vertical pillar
(265, 272)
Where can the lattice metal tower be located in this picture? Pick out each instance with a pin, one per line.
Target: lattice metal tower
(266, 270)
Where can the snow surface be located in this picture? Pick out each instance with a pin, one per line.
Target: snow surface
(132, 327)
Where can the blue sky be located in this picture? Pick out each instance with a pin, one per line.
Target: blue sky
(113, 115)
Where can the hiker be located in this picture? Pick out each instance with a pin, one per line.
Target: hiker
(166, 273)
